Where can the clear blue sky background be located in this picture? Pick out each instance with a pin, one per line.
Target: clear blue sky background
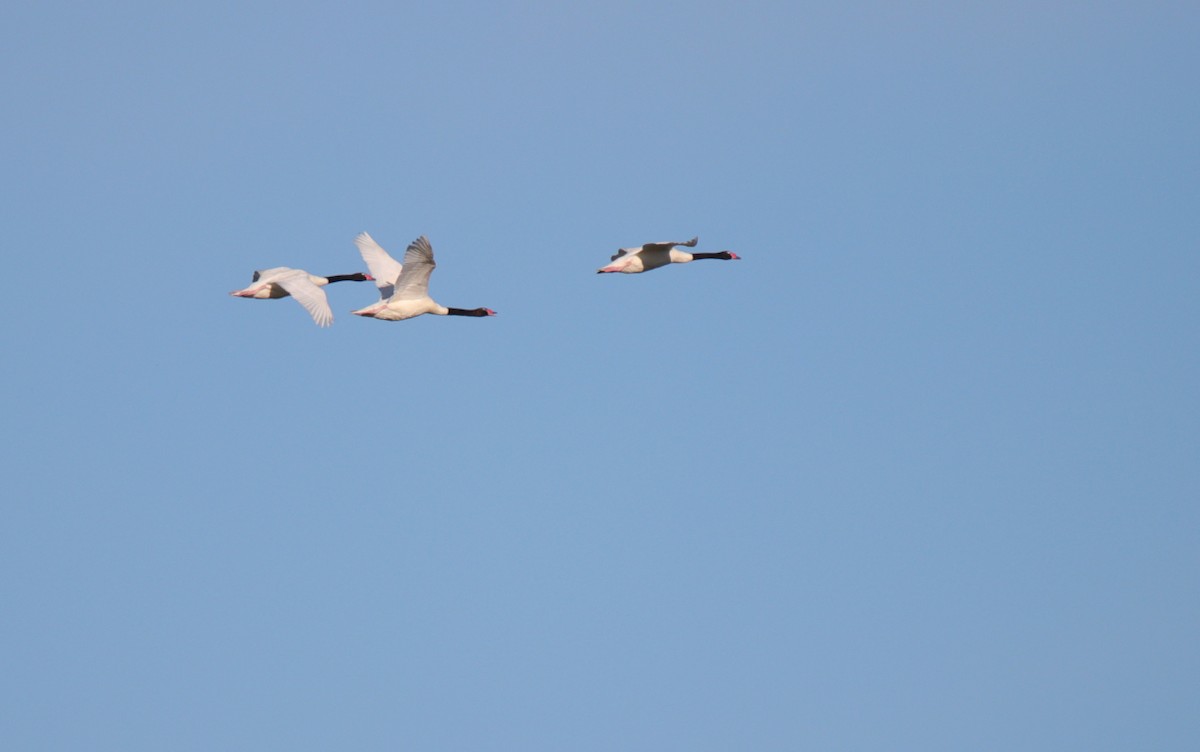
(920, 472)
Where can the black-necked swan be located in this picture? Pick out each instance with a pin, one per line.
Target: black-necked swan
(282, 282)
(410, 297)
(643, 258)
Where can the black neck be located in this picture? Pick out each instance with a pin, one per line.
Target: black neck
(466, 312)
(718, 255)
(347, 277)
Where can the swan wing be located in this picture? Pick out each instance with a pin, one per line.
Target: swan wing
(382, 266)
(307, 294)
(413, 283)
(667, 245)
(269, 275)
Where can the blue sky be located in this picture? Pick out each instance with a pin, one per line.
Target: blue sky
(919, 472)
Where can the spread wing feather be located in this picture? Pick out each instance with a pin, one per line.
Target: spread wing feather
(385, 269)
(300, 287)
(413, 282)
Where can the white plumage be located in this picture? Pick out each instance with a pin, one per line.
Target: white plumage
(382, 266)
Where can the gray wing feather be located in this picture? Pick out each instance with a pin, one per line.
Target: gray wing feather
(667, 245)
(413, 282)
